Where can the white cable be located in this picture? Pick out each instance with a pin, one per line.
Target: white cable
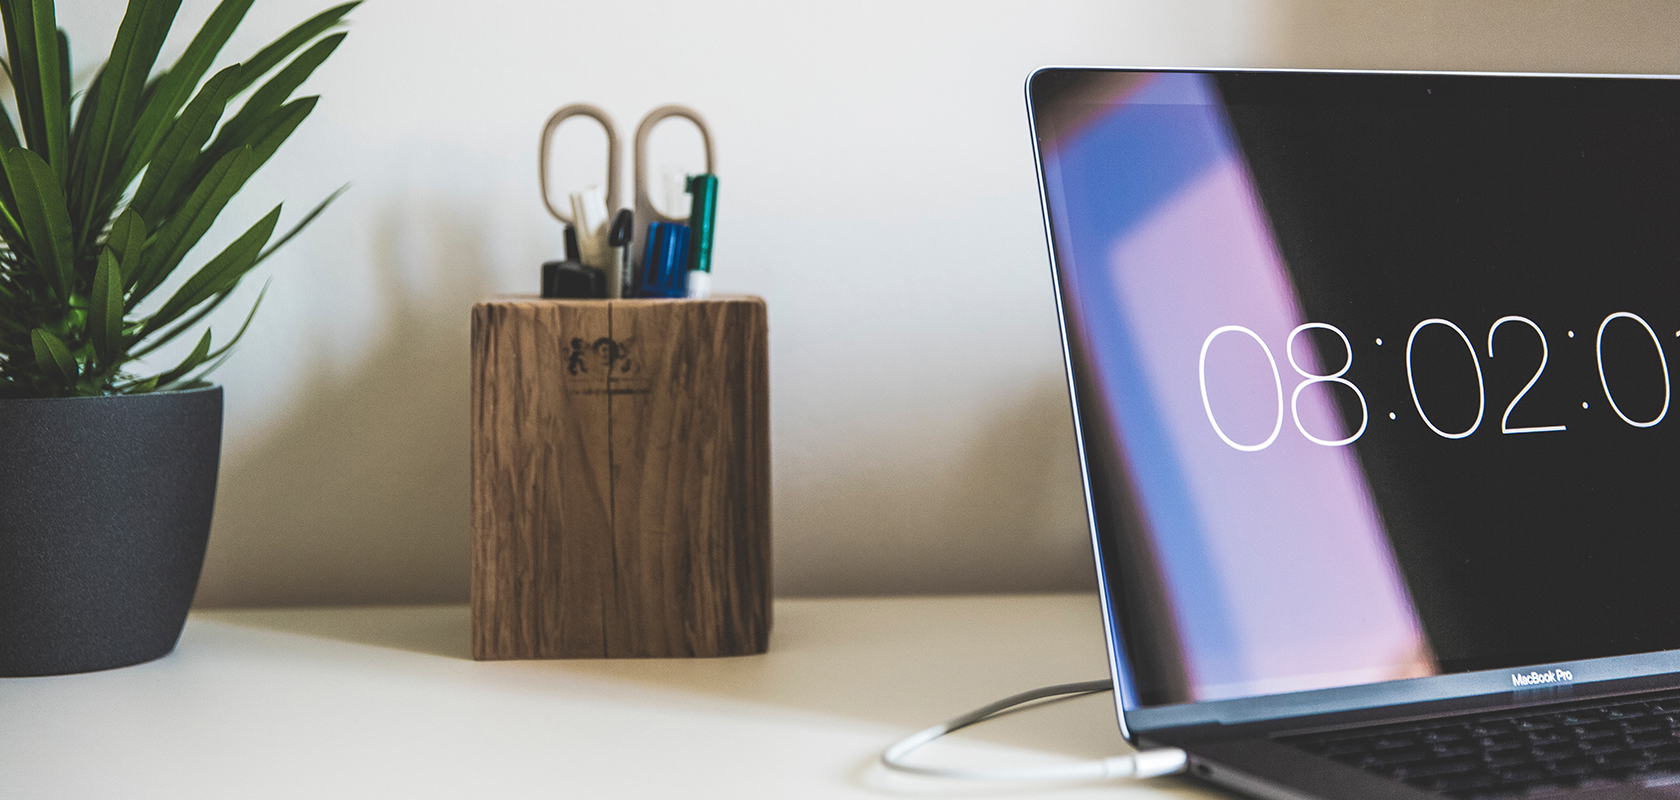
(1147, 764)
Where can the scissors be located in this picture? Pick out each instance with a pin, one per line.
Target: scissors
(644, 212)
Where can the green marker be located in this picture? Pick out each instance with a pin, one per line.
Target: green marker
(703, 188)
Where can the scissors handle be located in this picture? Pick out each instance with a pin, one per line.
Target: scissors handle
(547, 142)
(645, 212)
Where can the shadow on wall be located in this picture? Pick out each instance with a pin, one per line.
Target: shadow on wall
(1009, 513)
(1020, 488)
(359, 493)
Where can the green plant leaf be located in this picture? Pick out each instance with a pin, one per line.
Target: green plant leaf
(55, 91)
(303, 223)
(269, 57)
(199, 354)
(175, 86)
(153, 341)
(34, 50)
(175, 157)
(242, 128)
(12, 322)
(8, 131)
(17, 30)
(105, 318)
(9, 228)
(24, 56)
(138, 387)
(79, 133)
(64, 79)
(217, 276)
(188, 225)
(274, 130)
(220, 355)
(122, 84)
(42, 216)
(240, 334)
(53, 356)
(126, 239)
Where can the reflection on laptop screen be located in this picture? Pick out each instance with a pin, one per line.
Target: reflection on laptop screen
(1372, 371)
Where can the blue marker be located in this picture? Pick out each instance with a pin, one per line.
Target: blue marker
(665, 262)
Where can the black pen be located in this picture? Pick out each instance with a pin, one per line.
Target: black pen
(618, 237)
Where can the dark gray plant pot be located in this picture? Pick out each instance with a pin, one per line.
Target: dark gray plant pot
(105, 506)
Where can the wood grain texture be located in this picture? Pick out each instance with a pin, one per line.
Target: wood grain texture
(621, 478)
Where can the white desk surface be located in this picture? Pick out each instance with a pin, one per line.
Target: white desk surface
(386, 702)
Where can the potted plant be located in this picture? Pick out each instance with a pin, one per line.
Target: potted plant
(108, 467)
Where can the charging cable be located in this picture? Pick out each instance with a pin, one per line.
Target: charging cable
(1147, 764)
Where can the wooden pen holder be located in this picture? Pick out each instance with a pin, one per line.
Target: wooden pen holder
(620, 478)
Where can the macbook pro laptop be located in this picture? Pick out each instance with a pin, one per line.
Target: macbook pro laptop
(1373, 379)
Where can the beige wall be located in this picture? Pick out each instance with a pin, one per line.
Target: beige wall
(1636, 36)
(877, 189)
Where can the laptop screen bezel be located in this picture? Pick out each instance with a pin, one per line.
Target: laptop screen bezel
(1135, 718)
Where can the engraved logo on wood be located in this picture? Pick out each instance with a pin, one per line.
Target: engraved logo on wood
(588, 362)
(607, 354)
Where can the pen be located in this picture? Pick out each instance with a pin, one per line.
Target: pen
(618, 237)
(703, 188)
(664, 261)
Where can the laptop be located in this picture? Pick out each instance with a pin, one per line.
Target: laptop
(1373, 380)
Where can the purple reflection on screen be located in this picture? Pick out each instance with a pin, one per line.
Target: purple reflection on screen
(1276, 567)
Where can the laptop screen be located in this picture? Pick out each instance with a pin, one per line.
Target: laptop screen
(1373, 372)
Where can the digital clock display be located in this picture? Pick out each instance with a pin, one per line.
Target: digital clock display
(1374, 373)
(1658, 371)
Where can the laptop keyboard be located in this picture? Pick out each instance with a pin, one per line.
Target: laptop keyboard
(1526, 753)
